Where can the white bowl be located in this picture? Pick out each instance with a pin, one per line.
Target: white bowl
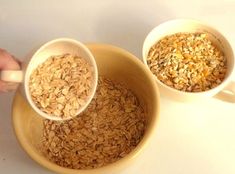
(192, 26)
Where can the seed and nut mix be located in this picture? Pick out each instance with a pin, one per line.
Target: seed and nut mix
(187, 62)
(61, 85)
(111, 126)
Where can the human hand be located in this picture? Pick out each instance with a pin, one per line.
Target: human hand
(8, 62)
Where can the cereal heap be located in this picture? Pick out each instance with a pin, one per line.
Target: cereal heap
(187, 62)
(61, 85)
(109, 129)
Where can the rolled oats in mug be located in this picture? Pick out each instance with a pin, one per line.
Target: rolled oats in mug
(187, 62)
(61, 85)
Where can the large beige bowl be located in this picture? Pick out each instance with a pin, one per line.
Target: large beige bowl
(114, 63)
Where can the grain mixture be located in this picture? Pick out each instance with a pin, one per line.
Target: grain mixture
(61, 85)
(187, 62)
(106, 131)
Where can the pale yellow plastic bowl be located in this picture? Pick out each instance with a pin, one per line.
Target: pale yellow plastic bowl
(114, 63)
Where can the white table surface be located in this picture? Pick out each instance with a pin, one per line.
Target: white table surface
(194, 138)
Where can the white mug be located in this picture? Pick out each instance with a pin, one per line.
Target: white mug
(54, 47)
(225, 91)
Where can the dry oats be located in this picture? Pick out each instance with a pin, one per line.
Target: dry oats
(61, 85)
(187, 62)
(112, 126)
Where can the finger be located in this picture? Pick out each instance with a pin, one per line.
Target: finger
(7, 87)
(2, 86)
(8, 62)
(12, 88)
(17, 60)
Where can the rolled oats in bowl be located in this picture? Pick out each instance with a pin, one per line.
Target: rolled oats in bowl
(109, 129)
(188, 62)
(61, 85)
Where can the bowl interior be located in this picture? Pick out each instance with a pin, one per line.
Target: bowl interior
(113, 63)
